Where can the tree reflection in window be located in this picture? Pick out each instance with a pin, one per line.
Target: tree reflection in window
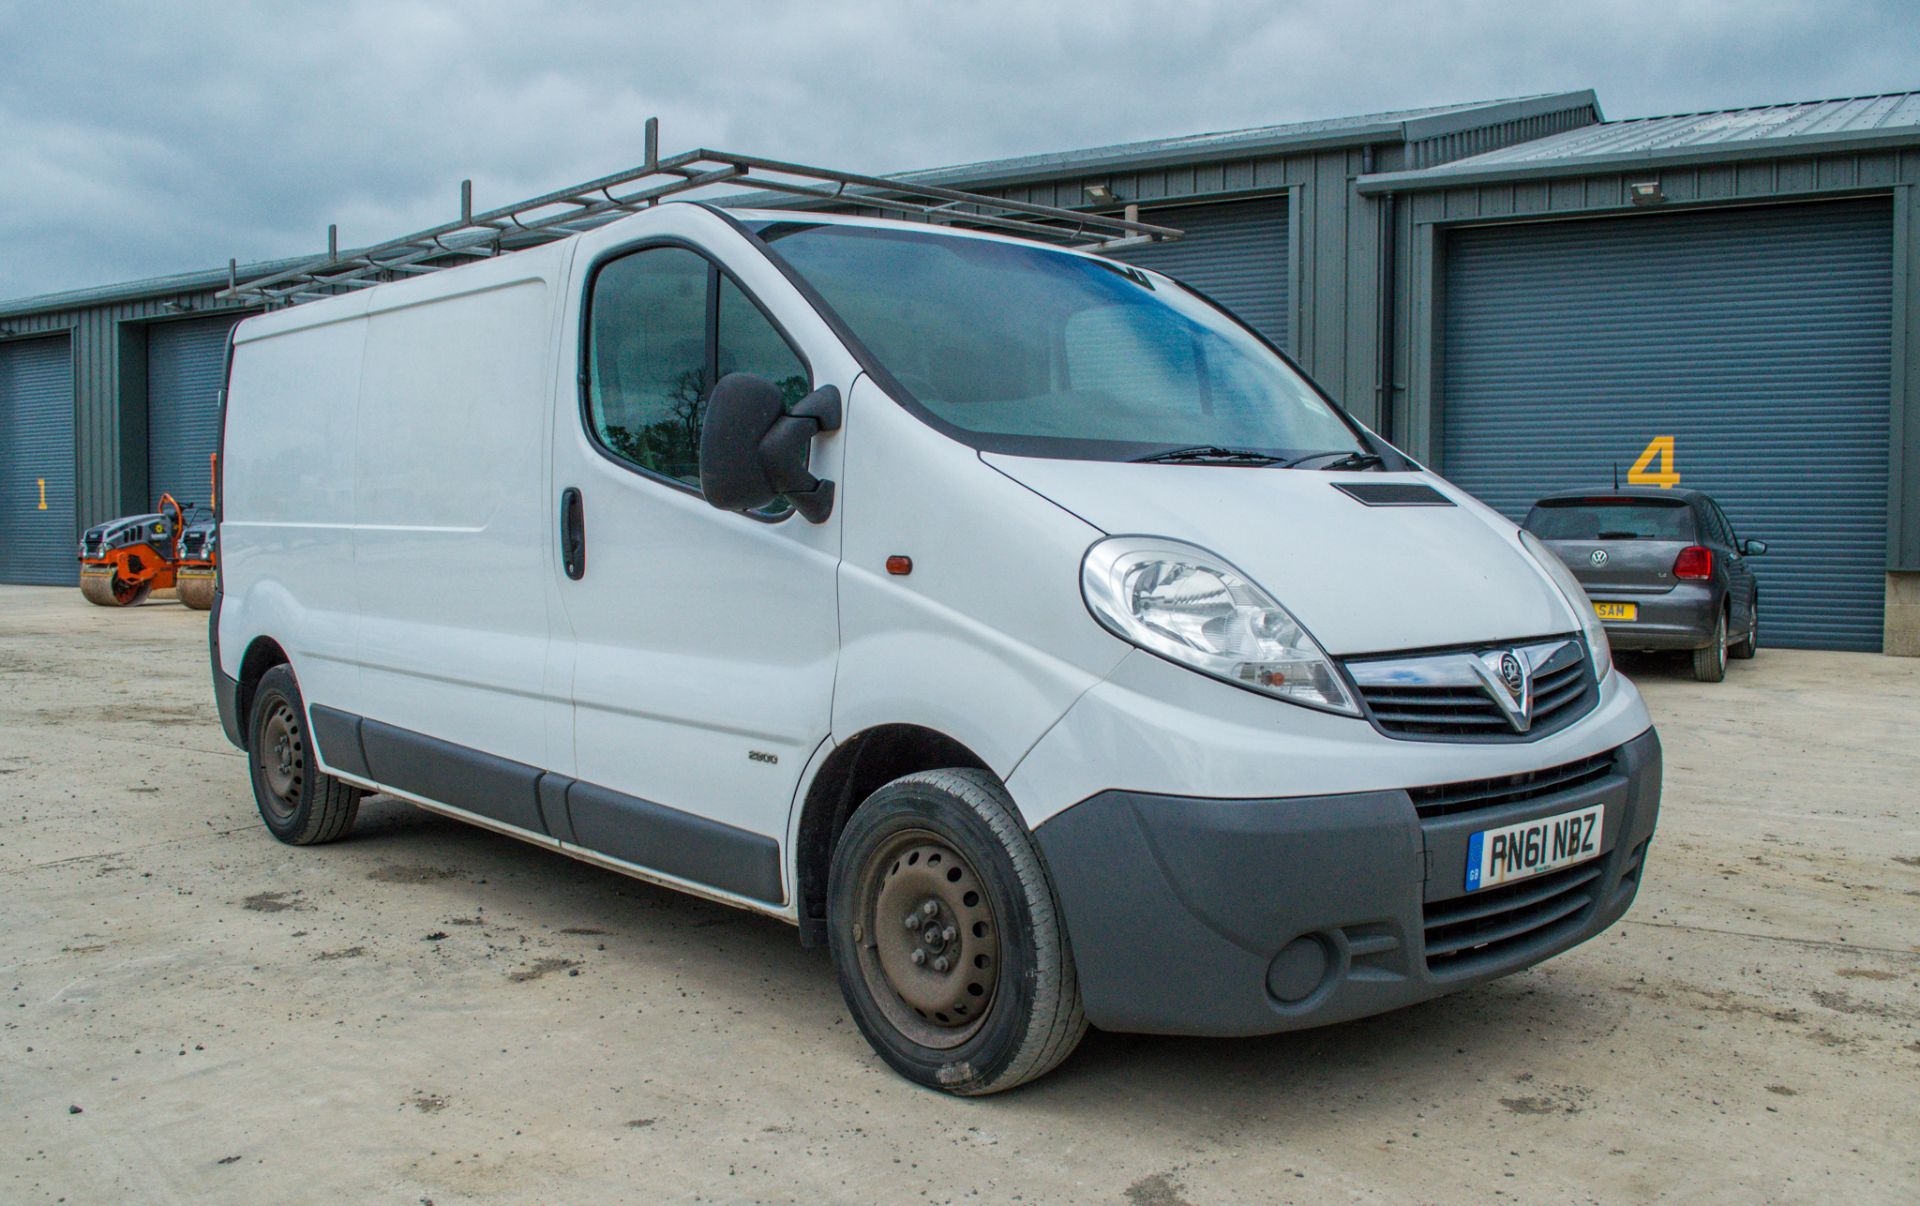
(653, 355)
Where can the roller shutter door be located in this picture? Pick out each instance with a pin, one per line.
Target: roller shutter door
(1235, 252)
(1760, 340)
(186, 365)
(38, 530)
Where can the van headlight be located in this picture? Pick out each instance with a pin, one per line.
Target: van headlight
(1576, 596)
(1191, 607)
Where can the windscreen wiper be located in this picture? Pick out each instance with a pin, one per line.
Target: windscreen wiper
(1208, 454)
(1348, 460)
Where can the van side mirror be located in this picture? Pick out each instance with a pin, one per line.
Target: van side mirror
(1752, 548)
(753, 449)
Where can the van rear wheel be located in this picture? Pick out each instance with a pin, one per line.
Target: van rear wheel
(947, 939)
(301, 804)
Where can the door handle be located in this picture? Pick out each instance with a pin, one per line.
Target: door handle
(573, 533)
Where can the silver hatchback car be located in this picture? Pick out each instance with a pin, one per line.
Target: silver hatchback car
(1663, 567)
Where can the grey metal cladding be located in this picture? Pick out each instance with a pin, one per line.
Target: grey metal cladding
(1429, 124)
(186, 367)
(1762, 131)
(1235, 252)
(1460, 144)
(1759, 338)
(38, 527)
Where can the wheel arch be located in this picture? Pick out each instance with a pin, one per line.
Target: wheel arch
(261, 656)
(854, 770)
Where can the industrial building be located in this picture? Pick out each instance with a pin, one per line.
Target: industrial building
(1522, 293)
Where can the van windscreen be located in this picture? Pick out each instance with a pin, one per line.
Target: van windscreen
(1611, 519)
(1021, 348)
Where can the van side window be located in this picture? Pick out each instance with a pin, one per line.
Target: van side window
(647, 379)
(664, 325)
(749, 344)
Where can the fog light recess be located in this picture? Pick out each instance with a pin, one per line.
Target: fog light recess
(1299, 969)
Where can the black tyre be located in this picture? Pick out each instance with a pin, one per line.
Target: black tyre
(301, 804)
(1710, 663)
(1748, 645)
(947, 939)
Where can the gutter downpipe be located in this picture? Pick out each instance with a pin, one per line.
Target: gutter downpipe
(1384, 362)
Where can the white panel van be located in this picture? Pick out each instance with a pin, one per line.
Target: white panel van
(1011, 620)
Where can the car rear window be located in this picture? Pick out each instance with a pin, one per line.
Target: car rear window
(1611, 519)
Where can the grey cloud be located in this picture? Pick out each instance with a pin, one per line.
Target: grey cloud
(144, 138)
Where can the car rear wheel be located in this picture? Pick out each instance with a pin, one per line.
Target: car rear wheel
(1710, 663)
(947, 939)
(1748, 645)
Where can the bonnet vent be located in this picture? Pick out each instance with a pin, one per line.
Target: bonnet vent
(1394, 494)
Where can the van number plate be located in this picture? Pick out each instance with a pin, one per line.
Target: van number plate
(1500, 856)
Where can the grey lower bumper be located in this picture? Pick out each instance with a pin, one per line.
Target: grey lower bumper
(1239, 917)
(226, 691)
(1681, 618)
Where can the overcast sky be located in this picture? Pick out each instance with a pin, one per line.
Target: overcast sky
(144, 138)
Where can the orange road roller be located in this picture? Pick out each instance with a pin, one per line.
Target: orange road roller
(124, 560)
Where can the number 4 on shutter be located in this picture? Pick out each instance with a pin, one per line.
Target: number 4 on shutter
(1644, 474)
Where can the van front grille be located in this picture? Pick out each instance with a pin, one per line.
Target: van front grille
(1438, 697)
(1496, 924)
(1477, 795)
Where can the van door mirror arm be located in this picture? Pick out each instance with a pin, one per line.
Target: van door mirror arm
(753, 449)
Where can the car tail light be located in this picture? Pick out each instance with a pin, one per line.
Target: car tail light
(1694, 562)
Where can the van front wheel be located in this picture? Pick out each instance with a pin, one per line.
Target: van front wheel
(947, 939)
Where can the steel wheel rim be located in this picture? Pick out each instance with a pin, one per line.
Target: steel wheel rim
(282, 759)
(935, 980)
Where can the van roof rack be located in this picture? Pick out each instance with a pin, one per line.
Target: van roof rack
(569, 211)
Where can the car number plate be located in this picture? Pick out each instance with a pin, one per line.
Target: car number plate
(1617, 611)
(1500, 856)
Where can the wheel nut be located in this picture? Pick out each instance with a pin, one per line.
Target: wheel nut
(941, 964)
(948, 934)
(912, 921)
(919, 956)
(930, 908)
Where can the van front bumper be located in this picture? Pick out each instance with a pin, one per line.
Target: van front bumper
(1241, 917)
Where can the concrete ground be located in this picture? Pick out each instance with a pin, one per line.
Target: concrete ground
(429, 1012)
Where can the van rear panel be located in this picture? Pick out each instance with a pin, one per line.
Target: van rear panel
(385, 511)
(286, 531)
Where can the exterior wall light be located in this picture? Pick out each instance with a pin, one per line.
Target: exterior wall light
(1100, 194)
(1646, 192)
